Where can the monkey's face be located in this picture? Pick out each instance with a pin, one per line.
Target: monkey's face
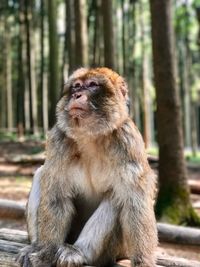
(94, 102)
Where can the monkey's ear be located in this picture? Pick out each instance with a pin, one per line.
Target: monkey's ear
(124, 88)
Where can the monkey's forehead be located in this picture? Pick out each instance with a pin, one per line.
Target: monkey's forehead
(103, 73)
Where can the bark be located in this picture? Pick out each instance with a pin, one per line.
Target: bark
(197, 8)
(178, 234)
(70, 34)
(173, 203)
(11, 210)
(97, 34)
(108, 33)
(8, 69)
(21, 73)
(30, 53)
(81, 33)
(43, 75)
(45, 104)
(53, 60)
(123, 38)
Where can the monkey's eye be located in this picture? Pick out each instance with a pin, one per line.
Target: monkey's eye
(93, 84)
(77, 85)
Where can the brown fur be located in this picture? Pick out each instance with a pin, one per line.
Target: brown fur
(94, 194)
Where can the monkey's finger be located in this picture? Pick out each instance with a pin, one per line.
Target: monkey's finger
(27, 262)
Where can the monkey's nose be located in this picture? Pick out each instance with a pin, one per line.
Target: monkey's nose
(77, 95)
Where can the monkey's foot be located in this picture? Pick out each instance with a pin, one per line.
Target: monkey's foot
(37, 256)
(70, 256)
(23, 256)
(143, 262)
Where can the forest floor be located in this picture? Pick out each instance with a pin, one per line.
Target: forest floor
(16, 179)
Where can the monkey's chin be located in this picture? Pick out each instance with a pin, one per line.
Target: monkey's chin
(77, 113)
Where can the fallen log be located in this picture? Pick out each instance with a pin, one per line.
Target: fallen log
(169, 261)
(178, 234)
(11, 241)
(194, 186)
(10, 209)
(36, 158)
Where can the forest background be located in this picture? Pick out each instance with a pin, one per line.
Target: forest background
(43, 41)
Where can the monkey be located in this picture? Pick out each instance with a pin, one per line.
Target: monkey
(92, 202)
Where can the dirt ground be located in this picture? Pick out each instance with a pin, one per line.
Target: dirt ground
(16, 179)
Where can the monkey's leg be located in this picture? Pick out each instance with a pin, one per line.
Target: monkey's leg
(139, 231)
(49, 218)
(96, 238)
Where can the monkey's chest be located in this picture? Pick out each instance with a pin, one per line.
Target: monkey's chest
(96, 178)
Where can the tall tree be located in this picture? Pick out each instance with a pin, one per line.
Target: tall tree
(31, 64)
(43, 76)
(8, 72)
(144, 80)
(108, 32)
(81, 33)
(70, 34)
(53, 60)
(97, 34)
(21, 73)
(173, 202)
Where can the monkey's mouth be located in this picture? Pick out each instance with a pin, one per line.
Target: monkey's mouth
(77, 111)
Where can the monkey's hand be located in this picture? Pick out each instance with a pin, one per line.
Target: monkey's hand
(70, 256)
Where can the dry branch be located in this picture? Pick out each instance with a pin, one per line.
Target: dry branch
(10, 209)
(11, 241)
(169, 261)
(178, 234)
(194, 186)
(37, 158)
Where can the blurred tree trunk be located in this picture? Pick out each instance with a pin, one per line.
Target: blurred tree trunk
(97, 34)
(53, 60)
(70, 34)
(123, 37)
(43, 108)
(144, 83)
(31, 65)
(135, 107)
(197, 8)
(21, 72)
(173, 202)
(190, 111)
(8, 70)
(81, 33)
(108, 33)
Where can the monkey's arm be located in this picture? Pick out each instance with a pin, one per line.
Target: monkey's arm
(96, 233)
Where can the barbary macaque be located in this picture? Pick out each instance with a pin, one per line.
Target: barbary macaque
(91, 203)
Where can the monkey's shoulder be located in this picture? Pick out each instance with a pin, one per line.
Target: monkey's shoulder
(60, 146)
(127, 141)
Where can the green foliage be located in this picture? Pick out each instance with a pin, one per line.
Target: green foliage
(8, 136)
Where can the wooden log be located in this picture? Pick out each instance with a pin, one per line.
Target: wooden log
(178, 234)
(194, 186)
(169, 261)
(36, 158)
(10, 209)
(14, 235)
(11, 243)
(8, 259)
